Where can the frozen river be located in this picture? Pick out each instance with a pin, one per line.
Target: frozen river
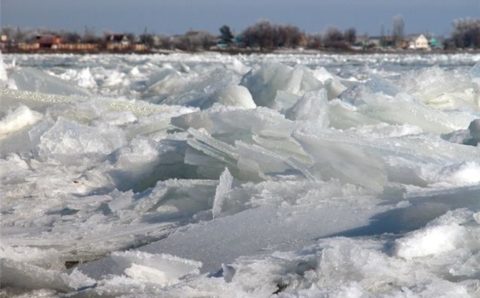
(210, 175)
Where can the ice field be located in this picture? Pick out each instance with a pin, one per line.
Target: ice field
(210, 175)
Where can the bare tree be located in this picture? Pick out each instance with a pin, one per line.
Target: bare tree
(90, 36)
(289, 36)
(268, 36)
(314, 41)
(7, 31)
(466, 33)
(19, 35)
(350, 35)
(71, 37)
(398, 28)
(164, 42)
(334, 38)
(195, 41)
(147, 38)
(259, 35)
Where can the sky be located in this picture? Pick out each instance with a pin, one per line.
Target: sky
(178, 16)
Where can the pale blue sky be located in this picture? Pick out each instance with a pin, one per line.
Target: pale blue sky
(177, 16)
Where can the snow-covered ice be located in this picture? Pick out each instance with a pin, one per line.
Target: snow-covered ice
(211, 175)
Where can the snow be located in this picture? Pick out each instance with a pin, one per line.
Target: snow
(3, 71)
(289, 175)
(18, 119)
(238, 96)
(461, 174)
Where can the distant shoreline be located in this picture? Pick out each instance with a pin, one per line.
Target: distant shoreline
(234, 52)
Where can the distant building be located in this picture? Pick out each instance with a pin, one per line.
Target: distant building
(374, 41)
(386, 41)
(420, 43)
(117, 42)
(3, 42)
(138, 47)
(48, 41)
(23, 46)
(78, 47)
(435, 43)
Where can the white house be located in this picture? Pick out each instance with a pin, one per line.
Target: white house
(420, 43)
(117, 42)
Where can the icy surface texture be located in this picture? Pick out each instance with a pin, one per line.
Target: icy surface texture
(209, 175)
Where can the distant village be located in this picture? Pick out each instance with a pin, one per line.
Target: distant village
(260, 37)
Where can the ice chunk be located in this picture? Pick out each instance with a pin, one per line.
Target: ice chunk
(238, 66)
(246, 161)
(265, 82)
(164, 82)
(343, 115)
(31, 79)
(3, 72)
(475, 71)
(143, 162)
(224, 186)
(322, 74)
(134, 165)
(378, 84)
(18, 119)
(191, 88)
(257, 163)
(470, 136)
(118, 118)
(162, 269)
(69, 141)
(25, 276)
(311, 107)
(461, 136)
(226, 126)
(440, 88)
(334, 88)
(237, 96)
(178, 199)
(474, 129)
(284, 100)
(343, 159)
(82, 78)
(204, 142)
(135, 72)
(403, 109)
(85, 79)
(159, 269)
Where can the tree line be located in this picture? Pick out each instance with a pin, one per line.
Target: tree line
(466, 34)
(262, 36)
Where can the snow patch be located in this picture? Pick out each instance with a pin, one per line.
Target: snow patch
(18, 119)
